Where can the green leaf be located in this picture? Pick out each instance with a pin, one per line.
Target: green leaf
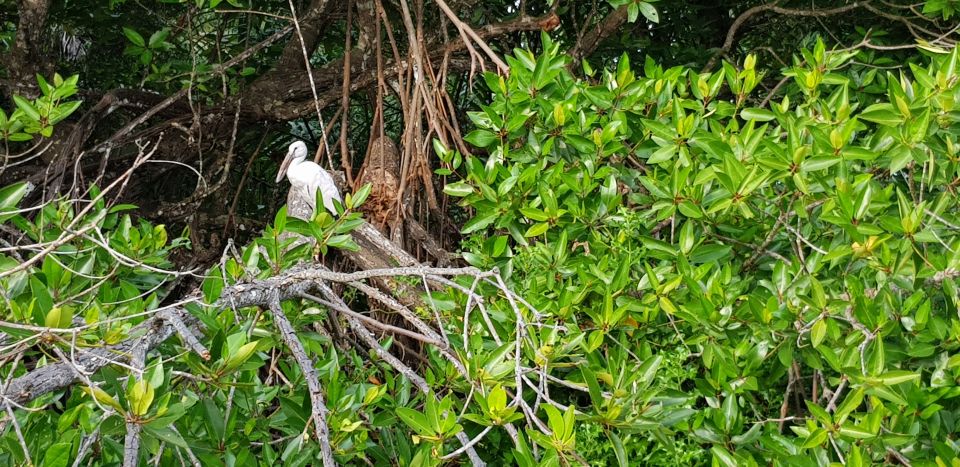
(415, 420)
(817, 332)
(44, 86)
(819, 163)
(883, 114)
(534, 214)
(855, 458)
(27, 108)
(750, 436)
(649, 368)
(64, 110)
(731, 410)
(723, 457)
(481, 221)
(877, 360)
(59, 317)
(103, 397)
(633, 12)
(343, 242)
(816, 438)
(497, 398)
(481, 138)
(58, 455)
(757, 114)
(896, 377)
(140, 397)
(134, 37)
(11, 195)
(855, 431)
(458, 189)
(618, 449)
(593, 387)
(649, 12)
(242, 355)
(887, 393)
(20, 137)
(850, 403)
(156, 38)
(155, 375)
(211, 287)
(361, 195)
(709, 253)
(166, 435)
(537, 229)
(42, 295)
(900, 156)
(662, 155)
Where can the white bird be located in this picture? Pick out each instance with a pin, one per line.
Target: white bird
(306, 177)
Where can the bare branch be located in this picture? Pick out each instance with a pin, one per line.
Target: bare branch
(131, 442)
(67, 235)
(591, 39)
(774, 7)
(319, 409)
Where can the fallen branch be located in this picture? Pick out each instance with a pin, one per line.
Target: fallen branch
(156, 330)
(294, 283)
(319, 409)
(368, 321)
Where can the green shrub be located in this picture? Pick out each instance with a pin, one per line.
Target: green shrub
(702, 276)
(803, 253)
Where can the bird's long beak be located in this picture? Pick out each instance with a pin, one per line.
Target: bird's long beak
(284, 166)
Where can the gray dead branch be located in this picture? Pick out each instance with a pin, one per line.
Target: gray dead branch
(379, 262)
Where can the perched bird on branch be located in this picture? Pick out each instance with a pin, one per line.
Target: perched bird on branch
(306, 178)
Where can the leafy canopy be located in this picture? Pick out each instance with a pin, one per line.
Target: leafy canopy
(774, 280)
(804, 250)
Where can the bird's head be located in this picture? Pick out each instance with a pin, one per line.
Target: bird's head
(296, 152)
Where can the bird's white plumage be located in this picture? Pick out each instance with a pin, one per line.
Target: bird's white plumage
(306, 177)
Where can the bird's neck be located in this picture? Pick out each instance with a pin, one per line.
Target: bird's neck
(299, 171)
(296, 163)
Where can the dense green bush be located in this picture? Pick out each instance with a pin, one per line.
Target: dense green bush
(106, 278)
(703, 276)
(801, 254)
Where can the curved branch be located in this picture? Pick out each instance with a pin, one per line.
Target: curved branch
(311, 23)
(589, 42)
(775, 8)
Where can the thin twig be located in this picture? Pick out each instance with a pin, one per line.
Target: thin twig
(313, 84)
